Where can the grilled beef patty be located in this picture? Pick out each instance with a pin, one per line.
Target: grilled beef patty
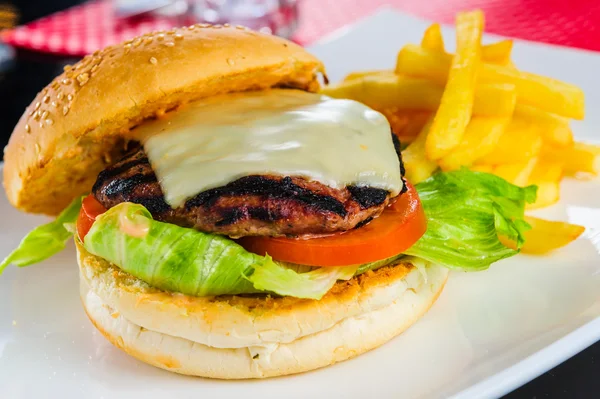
(258, 205)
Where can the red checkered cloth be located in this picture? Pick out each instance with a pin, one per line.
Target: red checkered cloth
(84, 29)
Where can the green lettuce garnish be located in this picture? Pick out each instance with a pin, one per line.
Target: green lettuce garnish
(184, 260)
(46, 240)
(274, 277)
(466, 212)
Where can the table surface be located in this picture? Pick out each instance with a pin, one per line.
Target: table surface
(29, 72)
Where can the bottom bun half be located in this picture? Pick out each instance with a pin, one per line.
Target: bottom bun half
(237, 337)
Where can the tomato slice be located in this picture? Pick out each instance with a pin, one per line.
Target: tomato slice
(398, 227)
(90, 209)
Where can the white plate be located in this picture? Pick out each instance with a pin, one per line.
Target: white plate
(489, 332)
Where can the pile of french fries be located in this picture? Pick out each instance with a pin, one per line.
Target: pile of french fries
(475, 109)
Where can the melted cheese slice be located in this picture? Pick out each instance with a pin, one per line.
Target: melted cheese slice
(213, 142)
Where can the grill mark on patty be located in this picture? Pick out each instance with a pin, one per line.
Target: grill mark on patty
(126, 185)
(260, 185)
(264, 214)
(155, 204)
(117, 170)
(362, 223)
(230, 216)
(368, 196)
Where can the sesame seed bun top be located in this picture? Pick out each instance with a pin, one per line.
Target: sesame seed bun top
(81, 121)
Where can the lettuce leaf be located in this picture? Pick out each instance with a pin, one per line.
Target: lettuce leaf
(274, 277)
(466, 212)
(46, 240)
(184, 260)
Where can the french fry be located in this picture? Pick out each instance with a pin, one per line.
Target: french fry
(362, 74)
(413, 60)
(496, 53)
(546, 176)
(520, 141)
(546, 235)
(382, 90)
(581, 158)
(516, 173)
(418, 166)
(494, 100)
(456, 105)
(481, 136)
(544, 93)
(548, 194)
(432, 38)
(554, 129)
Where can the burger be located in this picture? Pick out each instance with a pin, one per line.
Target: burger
(230, 221)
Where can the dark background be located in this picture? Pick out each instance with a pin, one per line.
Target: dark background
(23, 75)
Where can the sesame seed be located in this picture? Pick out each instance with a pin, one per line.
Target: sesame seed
(127, 46)
(31, 112)
(192, 27)
(41, 124)
(94, 68)
(169, 44)
(148, 40)
(66, 81)
(44, 114)
(178, 36)
(96, 53)
(217, 26)
(49, 122)
(204, 25)
(230, 61)
(160, 36)
(45, 90)
(60, 95)
(65, 110)
(27, 128)
(46, 99)
(37, 148)
(171, 32)
(70, 97)
(240, 27)
(226, 25)
(37, 105)
(54, 104)
(83, 78)
(36, 115)
(137, 42)
(153, 61)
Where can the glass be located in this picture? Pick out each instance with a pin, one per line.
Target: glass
(279, 17)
